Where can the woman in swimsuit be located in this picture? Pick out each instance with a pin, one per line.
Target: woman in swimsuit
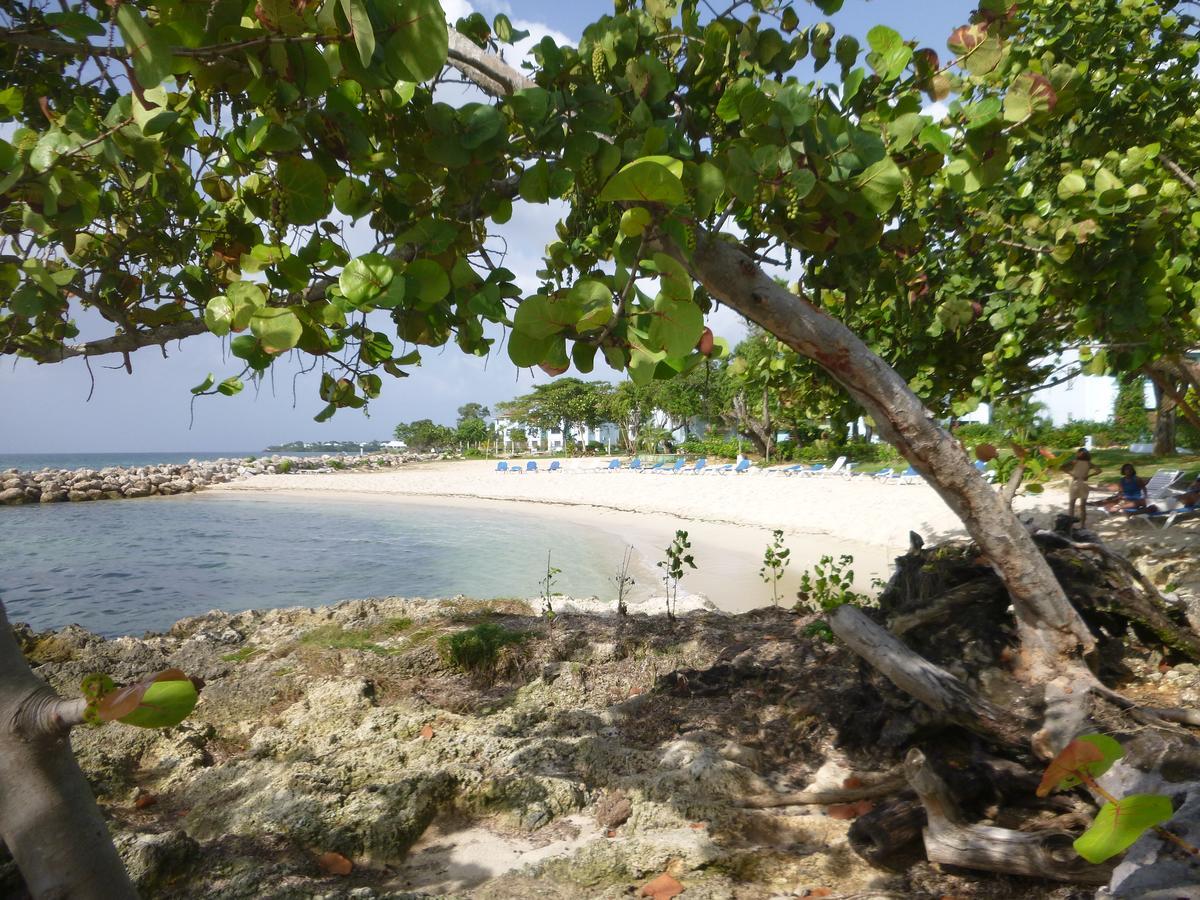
(1131, 491)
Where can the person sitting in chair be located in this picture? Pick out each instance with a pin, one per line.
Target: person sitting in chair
(1191, 494)
(1131, 492)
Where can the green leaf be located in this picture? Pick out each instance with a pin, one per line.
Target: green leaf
(246, 298)
(149, 48)
(525, 350)
(277, 329)
(676, 327)
(1088, 754)
(880, 184)
(535, 183)
(74, 24)
(427, 281)
(674, 278)
(163, 704)
(421, 40)
(11, 101)
(594, 299)
(1120, 824)
(230, 386)
(204, 385)
(502, 28)
(541, 317)
(283, 16)
(361, 28)
(393, 296)
(364, 278)
(480, 123)
(890, 53)
(709, 183)
(49, 148)
(218, 316)
(634, 221)
(352, 198)
(305, 190)
(1070, 185)
(729, 106)
(644, 180)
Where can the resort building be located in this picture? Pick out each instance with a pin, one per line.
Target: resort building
(522, 437)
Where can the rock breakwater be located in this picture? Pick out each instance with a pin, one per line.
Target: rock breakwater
(117, 483)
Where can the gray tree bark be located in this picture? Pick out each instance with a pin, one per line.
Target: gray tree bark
(1051, 630)
(1164, 423)
(49, 819)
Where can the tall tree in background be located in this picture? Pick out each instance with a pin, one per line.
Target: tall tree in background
(424, 435)
(1129, 408)
(565, 403)
(473, 411)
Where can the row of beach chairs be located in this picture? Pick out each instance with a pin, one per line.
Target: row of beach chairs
(679, 467)
(530, 466)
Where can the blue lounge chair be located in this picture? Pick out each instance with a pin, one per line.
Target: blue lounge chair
(814, 470)
(656, 467)
(909, 476)
(613, 465)
(531, 466)
(555, 466)
(502, 466)
(635, 465)
(516, 470)
(884, 474)
(742, 466)
(678, 467)
(786, 470)
(699, 466)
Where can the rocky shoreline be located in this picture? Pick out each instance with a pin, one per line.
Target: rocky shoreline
(117, 483)
(340, 753)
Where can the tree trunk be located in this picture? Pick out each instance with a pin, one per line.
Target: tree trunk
(758, 431)
(1050, 628)
(1164, 423)
(48, 817)
(1163, 376)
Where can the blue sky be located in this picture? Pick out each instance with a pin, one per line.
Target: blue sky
(45, 408)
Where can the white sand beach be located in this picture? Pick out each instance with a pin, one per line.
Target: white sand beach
(729, 517)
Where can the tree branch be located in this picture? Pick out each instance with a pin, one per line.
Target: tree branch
(1178, 172)
(488, 71)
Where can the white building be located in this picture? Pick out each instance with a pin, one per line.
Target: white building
(551, 439)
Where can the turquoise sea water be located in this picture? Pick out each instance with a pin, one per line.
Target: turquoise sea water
(126, 567)
(35, 461)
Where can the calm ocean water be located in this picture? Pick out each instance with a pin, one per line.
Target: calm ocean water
(126, 567)
(35, 461)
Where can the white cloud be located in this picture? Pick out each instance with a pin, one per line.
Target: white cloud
(937, 109)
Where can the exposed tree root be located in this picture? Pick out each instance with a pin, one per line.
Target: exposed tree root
(892, 783)
(956, 661)
(951, 841)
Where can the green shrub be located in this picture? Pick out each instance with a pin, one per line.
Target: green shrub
(1073, 434)
(336, 464)
(818, 451)
(476, 651)
(284, 467)
(711, 447)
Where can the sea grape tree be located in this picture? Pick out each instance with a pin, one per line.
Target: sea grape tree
(171, 169)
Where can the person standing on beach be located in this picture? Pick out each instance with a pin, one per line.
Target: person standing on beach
(1081, 468)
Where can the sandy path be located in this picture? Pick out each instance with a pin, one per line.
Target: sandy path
(729, 518)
